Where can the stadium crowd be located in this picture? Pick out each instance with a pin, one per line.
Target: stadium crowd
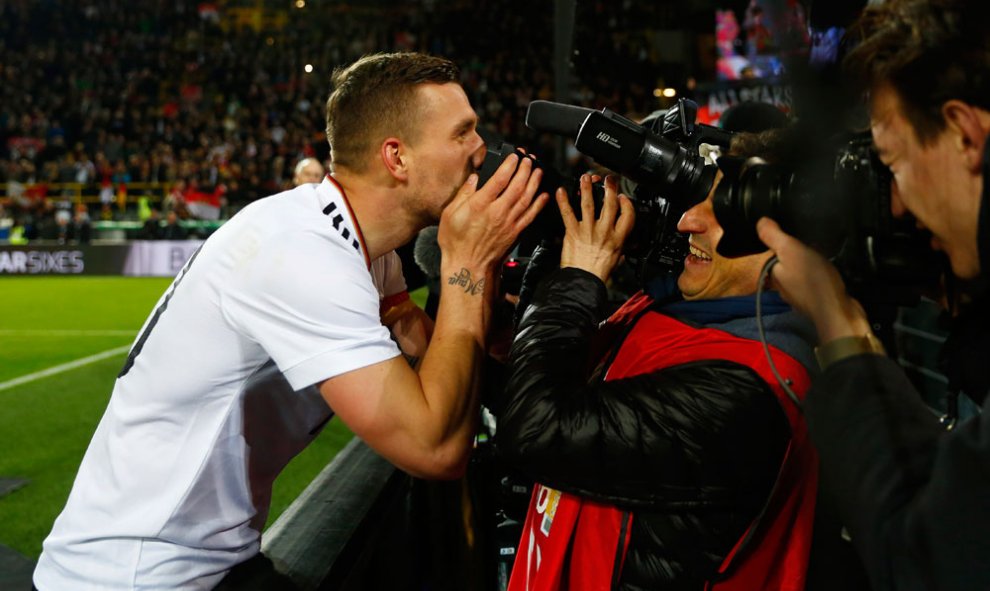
(120, 97)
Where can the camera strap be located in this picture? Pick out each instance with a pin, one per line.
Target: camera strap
(761, 284)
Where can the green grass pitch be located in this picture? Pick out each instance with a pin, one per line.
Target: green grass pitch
(46, 423)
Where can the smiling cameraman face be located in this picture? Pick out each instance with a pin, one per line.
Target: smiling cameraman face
(707, 274)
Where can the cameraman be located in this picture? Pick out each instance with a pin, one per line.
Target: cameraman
(679, 462)
(915, 498)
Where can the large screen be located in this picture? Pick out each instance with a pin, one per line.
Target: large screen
(753, 42)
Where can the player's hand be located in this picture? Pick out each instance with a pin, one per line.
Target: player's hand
(812, 285)
(595, 244)
(479, 226)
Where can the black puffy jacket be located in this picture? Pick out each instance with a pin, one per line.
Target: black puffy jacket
(694, 449)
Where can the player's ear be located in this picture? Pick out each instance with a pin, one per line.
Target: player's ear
(395, 158)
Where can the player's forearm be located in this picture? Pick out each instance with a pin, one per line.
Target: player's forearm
(466, 296)
(449, 370)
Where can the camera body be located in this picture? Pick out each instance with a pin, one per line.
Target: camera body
(663, 172)
(833, 194)
(836, 198)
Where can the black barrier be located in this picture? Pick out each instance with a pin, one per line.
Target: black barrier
(316, 540)
(363, 524)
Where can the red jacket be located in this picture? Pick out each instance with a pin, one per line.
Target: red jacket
(573, 542)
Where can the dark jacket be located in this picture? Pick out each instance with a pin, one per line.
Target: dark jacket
(668, 444)
(173, 232)
(916, 499)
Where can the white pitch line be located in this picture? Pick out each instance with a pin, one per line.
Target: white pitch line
(15, 332)
(64, 367)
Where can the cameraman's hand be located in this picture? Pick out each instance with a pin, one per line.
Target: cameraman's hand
(591, 244)
(479, 226)
(812, 285)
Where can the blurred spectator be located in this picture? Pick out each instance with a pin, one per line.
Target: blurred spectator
(176, 199)
(45, 223)
(308, 170)
(172, 229)
(61, 230)
(81, 229)
(152, 228)
(6, 223)
(106, 213)
(17, 233)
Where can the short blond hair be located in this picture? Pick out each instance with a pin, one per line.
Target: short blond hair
(371, 100)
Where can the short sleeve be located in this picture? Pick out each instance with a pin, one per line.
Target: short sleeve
(387, 273)
(310, 303)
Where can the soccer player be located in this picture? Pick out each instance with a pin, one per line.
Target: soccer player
(274, 325)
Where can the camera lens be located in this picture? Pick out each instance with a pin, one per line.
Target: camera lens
(749, 190)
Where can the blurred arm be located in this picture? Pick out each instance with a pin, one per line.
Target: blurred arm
(410, 327)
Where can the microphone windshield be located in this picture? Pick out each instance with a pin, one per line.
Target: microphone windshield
(426, 252)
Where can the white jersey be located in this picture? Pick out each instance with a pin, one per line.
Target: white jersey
(218, 394)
